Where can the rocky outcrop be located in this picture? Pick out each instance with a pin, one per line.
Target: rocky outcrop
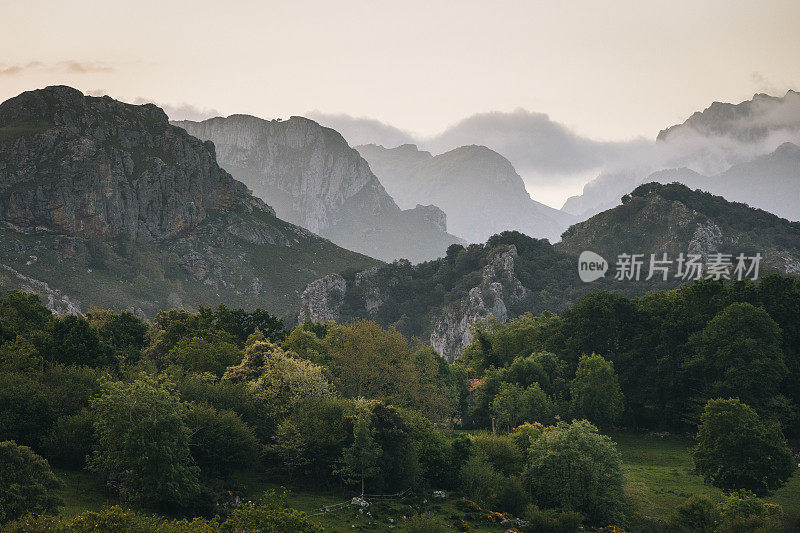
(432, 215)
(99, 168)
(499, 288)
(314, 179)
(322, 299)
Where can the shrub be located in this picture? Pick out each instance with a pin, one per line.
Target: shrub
(500, 451)
(511, 496)
(480, 481)
(573, 467)
(34, 523)
(697, 514)
(26, 483)
(743, 512)
(270, 515)
(552, 520)
(425, 523)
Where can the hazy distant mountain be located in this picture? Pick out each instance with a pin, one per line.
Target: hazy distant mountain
(312, 178)
(513, 274)
(478, 188)
(749, 121)
(106, 204)
(770, 182)
(713, 142)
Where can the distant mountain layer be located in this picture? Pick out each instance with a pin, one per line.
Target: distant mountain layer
(314, 179)
(512, 273)
(478, 188)
(749, 121)
(106, 204)
(742, 147)
(770, 182)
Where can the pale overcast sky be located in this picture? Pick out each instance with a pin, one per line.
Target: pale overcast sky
(609, 70)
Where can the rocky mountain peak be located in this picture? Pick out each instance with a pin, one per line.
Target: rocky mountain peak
(99, 168)
(314, 179)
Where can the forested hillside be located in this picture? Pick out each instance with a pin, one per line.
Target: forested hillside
(166, 415)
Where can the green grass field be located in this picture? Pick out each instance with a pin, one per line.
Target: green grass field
(659, 476)
(658, 473)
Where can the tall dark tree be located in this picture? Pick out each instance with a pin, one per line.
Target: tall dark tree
(736, 449)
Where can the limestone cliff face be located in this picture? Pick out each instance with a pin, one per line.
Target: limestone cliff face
(308, 169)
(314, 179)
(100, 168)
(322, 299)
(498, 289)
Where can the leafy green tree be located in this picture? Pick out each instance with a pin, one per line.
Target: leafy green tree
(290, 445)
(573, 467)
(198, 354)
(71, 440)
(602, 322)
(20, 355)
(220, 442)
(75, 342)
(22, 312)
(27, 409)
(736, 449)
(359, 461)
(123, 333)
(738, 353)
(310, 440)
(595, 392)
(507, 406)
(370, 362)
(143, 442)
(26, 483)
(278, 379)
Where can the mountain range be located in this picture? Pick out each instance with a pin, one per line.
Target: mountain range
(513, 273)
(478, 189)
(739, 151)
(314, 179)
(106, 204)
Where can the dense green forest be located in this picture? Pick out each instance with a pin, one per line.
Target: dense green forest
(166, 416)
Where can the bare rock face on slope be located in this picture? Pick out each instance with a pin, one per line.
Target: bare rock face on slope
(499, 288)
(101, 168)
(314, 179)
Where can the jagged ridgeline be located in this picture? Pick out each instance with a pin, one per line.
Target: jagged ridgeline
(512, 273)
(314, 179)
(106, 204)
